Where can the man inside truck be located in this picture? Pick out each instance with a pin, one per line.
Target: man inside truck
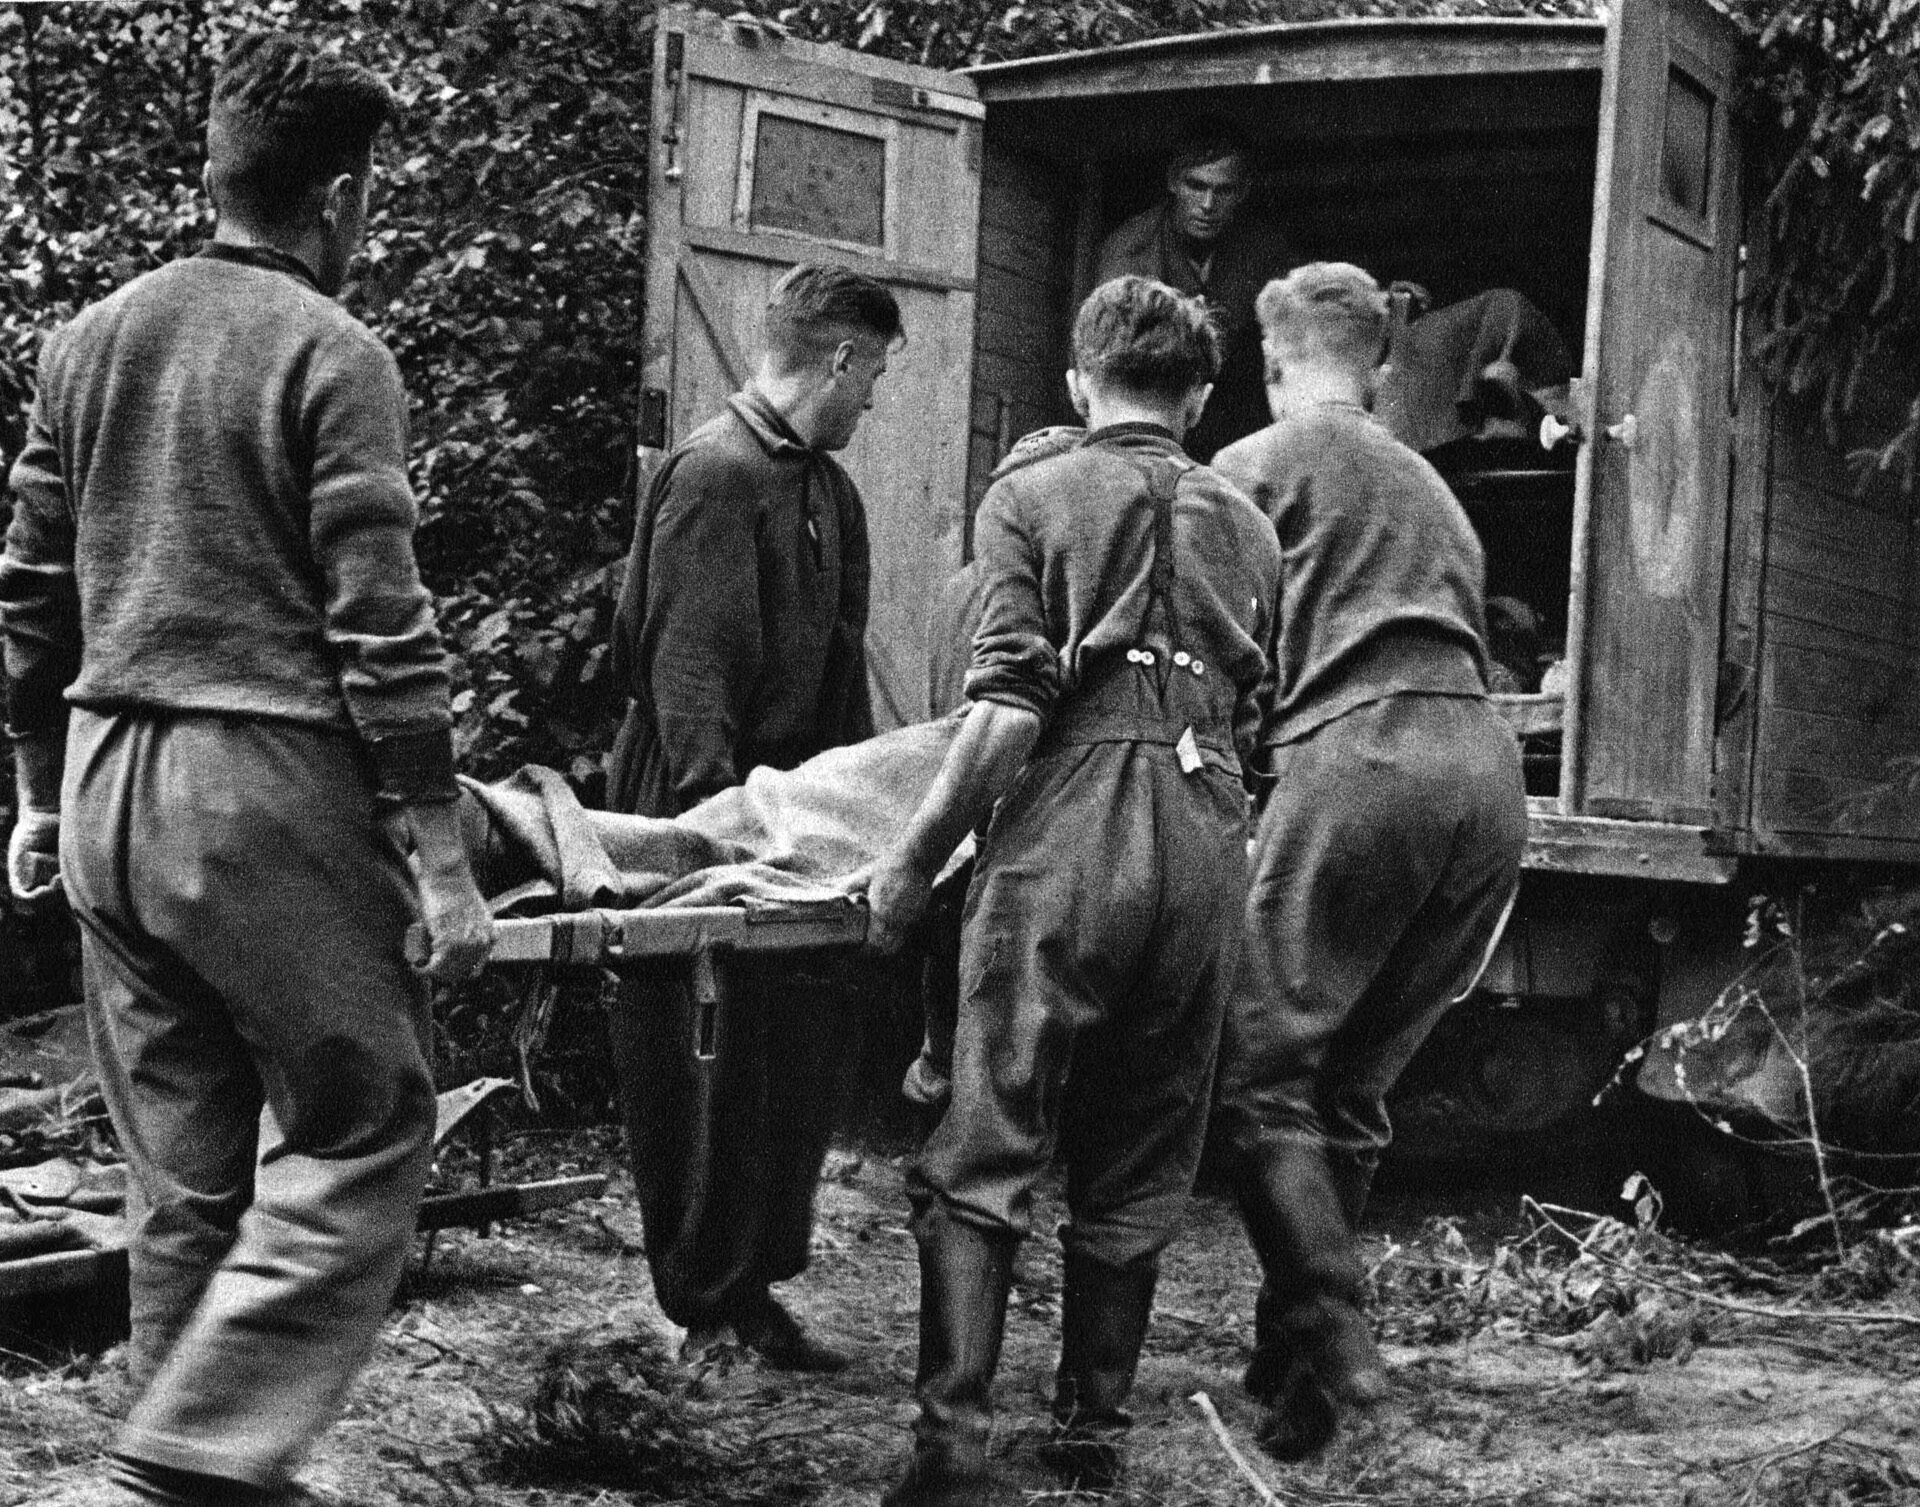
(1196, 240)
(1488, 364)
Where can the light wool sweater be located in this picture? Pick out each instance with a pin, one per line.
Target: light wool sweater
(212, 515)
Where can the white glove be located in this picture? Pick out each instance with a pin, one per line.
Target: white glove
(33, 857)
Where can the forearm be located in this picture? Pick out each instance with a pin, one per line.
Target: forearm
(434, 832)
(459, 930)
(379, 618)
(992, 748)
(39, 600)
(37, 767)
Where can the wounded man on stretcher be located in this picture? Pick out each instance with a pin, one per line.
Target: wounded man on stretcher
(784, 835)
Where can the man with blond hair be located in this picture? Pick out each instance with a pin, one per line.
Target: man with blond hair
(1127, 599)
(1387, 849)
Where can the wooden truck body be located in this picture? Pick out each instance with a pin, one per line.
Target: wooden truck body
(1739, 625)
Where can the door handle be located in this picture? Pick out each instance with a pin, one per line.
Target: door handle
(1627, 431)
(1556, 431)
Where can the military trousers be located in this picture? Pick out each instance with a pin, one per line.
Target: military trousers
(729, 1111)
(1383, 862)
(262, 1048)
(1102, 930)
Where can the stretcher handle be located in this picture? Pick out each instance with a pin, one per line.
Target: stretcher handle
(606, 938)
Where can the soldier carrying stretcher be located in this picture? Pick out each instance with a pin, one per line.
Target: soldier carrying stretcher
(1128, 599)
(211, 556)
(1388, 846)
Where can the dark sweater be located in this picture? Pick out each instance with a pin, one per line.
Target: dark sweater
(1250, 255)
(1066, 549)
(212, 515)
(1384, 580)
(740, 629)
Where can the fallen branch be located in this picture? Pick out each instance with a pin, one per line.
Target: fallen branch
(1714, 1300)
(1212, 1414)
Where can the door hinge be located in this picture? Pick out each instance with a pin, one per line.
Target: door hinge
(676, 72)
(653, 418)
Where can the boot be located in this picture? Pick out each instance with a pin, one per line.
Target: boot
(1298, 1205)
(1332, 1337)
(1273, 1355)
(1103, 1324)
(770, 1331)
(965, 1273)
(1272, 1366)
(1298, 1417)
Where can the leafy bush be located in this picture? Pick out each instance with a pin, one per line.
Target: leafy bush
(1839, 303)
(503, 266)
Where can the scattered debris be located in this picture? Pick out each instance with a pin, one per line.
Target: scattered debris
(619, 1412)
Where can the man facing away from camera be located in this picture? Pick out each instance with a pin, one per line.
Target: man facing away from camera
(211, 556)
(1387, 849)
(739, 638)
(1114, 692)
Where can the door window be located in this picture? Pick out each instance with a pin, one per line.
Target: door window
(1686, 156)
(817, 172)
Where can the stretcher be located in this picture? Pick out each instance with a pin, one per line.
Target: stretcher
(627, 942)
(626, 939)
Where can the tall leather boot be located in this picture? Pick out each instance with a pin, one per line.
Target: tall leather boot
(1312, 1343)
(1104, 1315)
(965, 1273)
(1272, 1367)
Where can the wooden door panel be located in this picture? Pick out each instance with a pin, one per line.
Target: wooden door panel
(773, 152)
(1659, 353)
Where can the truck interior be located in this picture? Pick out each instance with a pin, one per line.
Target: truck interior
(1458, 184)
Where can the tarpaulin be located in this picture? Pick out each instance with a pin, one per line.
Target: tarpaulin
(784, 834)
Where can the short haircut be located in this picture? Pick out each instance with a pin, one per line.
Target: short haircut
(1206, 138)
(815, 306)
(287, 119)
(1138, 334)
(1332, 310)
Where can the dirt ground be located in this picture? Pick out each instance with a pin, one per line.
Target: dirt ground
(1490, 1408)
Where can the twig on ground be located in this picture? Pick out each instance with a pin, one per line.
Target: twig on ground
(1253, 1478)
(1714, 1300)
(1770, 1458)
(446, 1350)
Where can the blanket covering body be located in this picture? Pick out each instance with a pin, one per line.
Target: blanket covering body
(782, 835)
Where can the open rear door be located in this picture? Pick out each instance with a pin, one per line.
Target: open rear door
(1651, 498)
(768, 152)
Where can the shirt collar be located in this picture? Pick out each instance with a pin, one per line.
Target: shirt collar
(1346, 404)
(1134, 432)
(261, 256)
(767, 423)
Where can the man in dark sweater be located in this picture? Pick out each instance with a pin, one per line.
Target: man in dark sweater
(739, 638)
(211, 556)
(1387, 849)
(1114, 694)
(1200, 240)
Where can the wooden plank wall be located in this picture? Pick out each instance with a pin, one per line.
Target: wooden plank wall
(1840, 673)
(1023, 307)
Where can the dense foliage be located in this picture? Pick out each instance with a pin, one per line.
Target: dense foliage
(1837, 97)
(955, 33)
(503, 266)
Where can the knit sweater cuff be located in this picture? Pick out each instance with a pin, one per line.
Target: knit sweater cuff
(36, 708)
(414, 769)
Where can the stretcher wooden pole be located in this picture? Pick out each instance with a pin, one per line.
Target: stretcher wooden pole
(609, 938)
